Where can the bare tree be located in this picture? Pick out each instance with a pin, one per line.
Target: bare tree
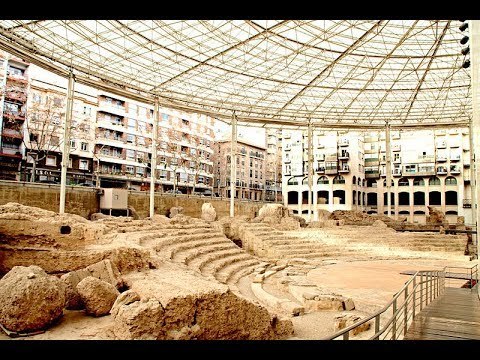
(178, 159)
(42, 127)
(197, 161)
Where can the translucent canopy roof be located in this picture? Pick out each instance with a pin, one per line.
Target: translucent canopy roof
(345, 72)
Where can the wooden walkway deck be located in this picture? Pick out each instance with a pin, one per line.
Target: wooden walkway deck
(453, 316)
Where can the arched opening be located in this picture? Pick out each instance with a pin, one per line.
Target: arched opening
(364, 196)
(434, 180)
(385, 183)
(304, 197)
(359, 181)
(392, 199)
(354, 180)
(322, 197)
(418, 198)
(434, 198)
(451, 212)
(372, 199)
(403, 198)
(354, 197)
(371, 183)
(305, 181)
(418, 182)
(322, 180)
(363, 182)
(359, 198)
(450, 181)
(292, 181)
(451, 198)
(65, 229)
(339, 197)
(404, 212)
(451, 216)
(339, 179)
(419, 217)
(371, 212)
(403, 182)
(292, 198)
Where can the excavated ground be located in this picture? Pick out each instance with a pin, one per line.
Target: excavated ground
(359, 262)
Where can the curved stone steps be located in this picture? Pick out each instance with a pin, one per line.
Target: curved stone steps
(218, 265)
(280, 241)
(167, 241)
(195, 254)
(230, 275)
(182, 248)
(199, 262)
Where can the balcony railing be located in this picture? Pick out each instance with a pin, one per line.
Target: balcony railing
(344, 169)
(442, 171)
(441, 145)
(467, 203)
(441, 158)
(455, 157)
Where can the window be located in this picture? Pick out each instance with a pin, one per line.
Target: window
(130, 154)
(84, 146)
(70, 163)
(130, 169)
(37, 98)
(73, 144)
(87, 110)
(51, 160)
(54, 140)
(57, 101)
(130, 138)
(165, 117)
(83, 164)
(55, 120)
(140, 170)
(141, 140)
(450, 181)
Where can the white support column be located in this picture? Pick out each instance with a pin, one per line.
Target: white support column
(153, 161)
(66, 142)
(233, 165)
(388, 169)
(310, 169)
(474, 26)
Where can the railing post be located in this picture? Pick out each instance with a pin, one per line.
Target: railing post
(421, 291)
(413, 295)
(405, 304)
(394, 323)
(377, 325)
(430, 282)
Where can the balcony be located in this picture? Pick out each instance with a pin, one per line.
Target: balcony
(396, 147)
(467, 203)
(331, 170)
(397, 160)
(320, 146)
(454, 170)
(426, 158)
(372, 174)
(17, 78)
(14, 115)
(466, 165)
(442, 170)
(112, 109)
(455, 157)
(344, 169)
(320, 170)
(441, 145)
(454, 144)
(344, 142)
(441, 158)
(344, 155)
(16, 95)
(10, 133)
(11, 152)
(397, 172)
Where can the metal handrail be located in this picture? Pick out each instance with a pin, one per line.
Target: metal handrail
(431, 285)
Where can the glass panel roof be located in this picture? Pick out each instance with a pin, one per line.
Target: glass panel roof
(330, 71)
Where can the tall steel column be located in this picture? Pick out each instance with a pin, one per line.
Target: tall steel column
(310, 168)
(153, 162)
(66, 142)
(233, 165)
(388, 168)
(475, 122)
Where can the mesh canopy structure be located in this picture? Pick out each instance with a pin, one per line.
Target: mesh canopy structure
(348, 73)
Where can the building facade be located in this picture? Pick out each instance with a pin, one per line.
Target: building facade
(429, 167)
(251, 169)
(14, 88)
(110, 140)
(273, 164)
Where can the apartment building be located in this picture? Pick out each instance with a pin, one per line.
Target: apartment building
(429, 167)
(273, 163)
(13, 97)
(44, 134)
(251, 169)
(338, 181)
(123, 144)
(110, 140)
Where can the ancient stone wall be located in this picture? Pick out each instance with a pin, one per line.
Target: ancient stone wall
(84, 201)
